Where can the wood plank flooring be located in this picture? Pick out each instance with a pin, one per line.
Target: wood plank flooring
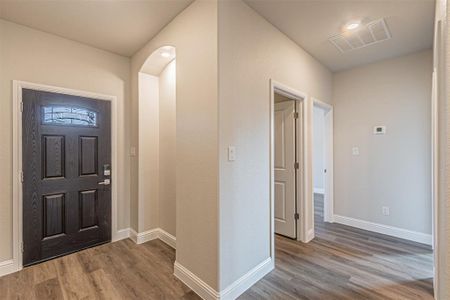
(120, 270)
(340, 263)
(346, 263)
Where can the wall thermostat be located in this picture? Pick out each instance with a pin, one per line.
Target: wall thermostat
(379, 130)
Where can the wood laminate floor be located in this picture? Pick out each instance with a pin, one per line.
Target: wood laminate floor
(340, 263)
(120, 270)
(346, 263)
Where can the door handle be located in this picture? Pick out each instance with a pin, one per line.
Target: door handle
(105, 182)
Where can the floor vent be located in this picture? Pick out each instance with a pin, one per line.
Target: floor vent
(369, 34)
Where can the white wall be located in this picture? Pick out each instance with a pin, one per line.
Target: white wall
(35, 56)
(392, 170)
(148, 151)
(318, 149)
(441, 62)
(157, 150)
(167, 148)
(194, 35)
(251, 52)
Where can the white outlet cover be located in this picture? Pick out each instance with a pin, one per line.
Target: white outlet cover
(355, 151)
(231, 153)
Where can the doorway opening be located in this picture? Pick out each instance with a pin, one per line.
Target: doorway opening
(286, 132)
(322, 146)
(287, 164)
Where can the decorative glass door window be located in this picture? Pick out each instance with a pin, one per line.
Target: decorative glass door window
(69, 116)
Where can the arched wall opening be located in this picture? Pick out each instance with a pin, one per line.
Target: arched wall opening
(157, 145)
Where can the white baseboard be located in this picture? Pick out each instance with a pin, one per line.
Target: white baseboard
(200, 287)
(319, 191)
(150, 235)
(385, 229)
(233, 291)
(7, 267)
(238, 287)
(167, 238)
(143, 237)
(121, 234)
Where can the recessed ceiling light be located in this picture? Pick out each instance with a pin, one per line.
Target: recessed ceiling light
(165, 54)
(352, 25)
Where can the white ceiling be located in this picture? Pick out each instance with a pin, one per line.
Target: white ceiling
(311, 22)
(122, 27)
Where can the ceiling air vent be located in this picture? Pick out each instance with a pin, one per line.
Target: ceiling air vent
(369, 34)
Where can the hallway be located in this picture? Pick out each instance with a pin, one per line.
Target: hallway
(347, 263)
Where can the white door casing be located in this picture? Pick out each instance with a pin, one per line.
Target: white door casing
(284, 165)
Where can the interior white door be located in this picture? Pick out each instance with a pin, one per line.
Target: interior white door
(285, 193)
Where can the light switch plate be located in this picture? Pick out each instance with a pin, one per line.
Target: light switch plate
(231, 153)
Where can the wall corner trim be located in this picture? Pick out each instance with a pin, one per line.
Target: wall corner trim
(142, 237)
(146, 236)
(233, 291)
(414, 236)
(310, 235)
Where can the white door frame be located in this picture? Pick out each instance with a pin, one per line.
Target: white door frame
(17, 159)
(328, 208)
(304, 177)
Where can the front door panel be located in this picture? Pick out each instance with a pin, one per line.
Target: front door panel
(66, 144)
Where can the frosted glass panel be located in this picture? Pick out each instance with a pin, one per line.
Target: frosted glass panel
(68, 115)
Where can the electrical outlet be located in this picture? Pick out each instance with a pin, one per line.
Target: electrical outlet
(231, 153)
(355, 151)
(385, 210)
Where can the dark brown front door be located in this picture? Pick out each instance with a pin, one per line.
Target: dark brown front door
(66, 160)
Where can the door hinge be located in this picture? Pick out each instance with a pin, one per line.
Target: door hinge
(21, 176)
(296, 216)
(21, 247)
(21, 106)
(295, 115)
(297, 166)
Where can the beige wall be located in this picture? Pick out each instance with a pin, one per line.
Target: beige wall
(251, 52)
(392, 170)
(194, 35)
(34, 56)
(167, 148)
